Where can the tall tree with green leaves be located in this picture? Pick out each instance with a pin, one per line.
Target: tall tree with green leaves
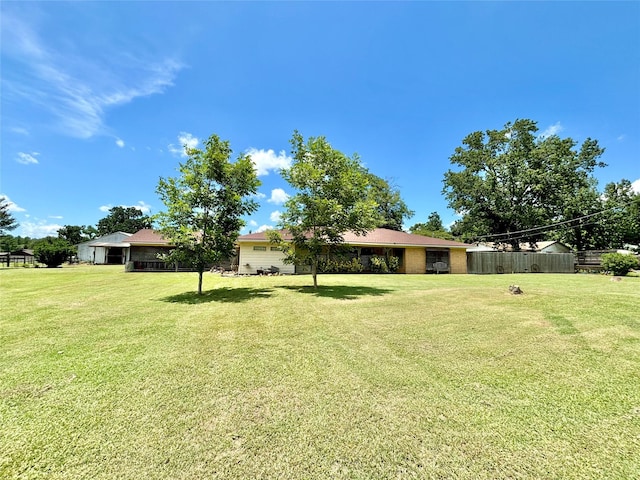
(75, 234)
(332, 196)
(52, 251)
(433, 227)
(622, 213)
(7, 222)
(206, 203)
(391, 209)
(124, 219)
(512, 180)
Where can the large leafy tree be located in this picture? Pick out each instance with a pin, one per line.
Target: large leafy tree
(622, 214)
(391, 209)
(75, 234)
(332, 197)
(7, 222)
(52, 251)
(512, 181)
(206, 203)
(433, 227)
(123, 219)
(601, 220)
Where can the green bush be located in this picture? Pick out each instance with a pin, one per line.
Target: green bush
(333, 265)
(379, 264)
(394, 263)
(53, 252)
(619, 263)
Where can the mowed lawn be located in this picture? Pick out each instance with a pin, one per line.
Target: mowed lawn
(107, 375)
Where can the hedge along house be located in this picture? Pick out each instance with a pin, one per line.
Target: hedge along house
(111, 249)
(416, 253)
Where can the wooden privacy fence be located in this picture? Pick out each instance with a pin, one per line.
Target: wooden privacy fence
(519, 262)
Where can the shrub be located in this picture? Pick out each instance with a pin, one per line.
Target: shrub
(379, 264)
(394, 263)
(336, 265)
(619, 263)
(53, 252)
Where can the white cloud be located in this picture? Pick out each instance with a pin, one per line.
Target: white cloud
(259, 195)
(185, 142)
(620, 138)
(253, 223)
(39, 229)
(142, 206)
(552, 130)
(120, 142)
(636, 186)
(56, 217)
(19, 130)
(11, 206)
(77, 90)
(264, 228)
(266, 160)
(278, 196)
(27, 158)
(275, 216)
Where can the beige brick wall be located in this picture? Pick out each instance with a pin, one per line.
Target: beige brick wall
(458, 259)
(415, 260)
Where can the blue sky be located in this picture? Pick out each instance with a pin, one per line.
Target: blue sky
(98, 97)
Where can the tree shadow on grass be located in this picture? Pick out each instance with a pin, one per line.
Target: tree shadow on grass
(341, 292)
(225, 295)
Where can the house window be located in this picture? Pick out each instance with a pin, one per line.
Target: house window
(259, 248)
(437, 255)
(275, 249)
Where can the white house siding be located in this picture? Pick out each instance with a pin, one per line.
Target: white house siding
(252, 260)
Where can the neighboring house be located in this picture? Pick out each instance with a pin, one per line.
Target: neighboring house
(111, 249)
(417, 253)
(540, 247)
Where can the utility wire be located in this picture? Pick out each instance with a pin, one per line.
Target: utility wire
(516, 235)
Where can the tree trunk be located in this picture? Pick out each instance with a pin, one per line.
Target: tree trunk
(578, 234)
(200, 272)
(314, 272)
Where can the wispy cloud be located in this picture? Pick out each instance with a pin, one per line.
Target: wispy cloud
(185, 142)
(264, 228)
(19, 130)
(120, 142)
(39, 229)
(76, 89)
(275, 216)
(278, 196)
(267, 160)
(552, 130)
(27, 158)
(12, 206)
(56, 217)
(141, 205)
(636, 186)
(259, 196)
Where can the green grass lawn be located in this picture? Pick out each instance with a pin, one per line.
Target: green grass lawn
(106, 374)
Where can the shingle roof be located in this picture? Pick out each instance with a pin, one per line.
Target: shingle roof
(379, 236)
(147, 236)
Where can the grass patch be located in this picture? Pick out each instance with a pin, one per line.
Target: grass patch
(111, 375)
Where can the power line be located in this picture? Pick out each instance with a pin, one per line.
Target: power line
(516, 235)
